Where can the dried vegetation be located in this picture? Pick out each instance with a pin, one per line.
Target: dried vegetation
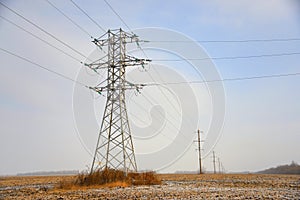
(110, 178)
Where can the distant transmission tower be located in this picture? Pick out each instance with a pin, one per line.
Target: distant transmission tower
(114, 147)
(199, 152)
(214, 161)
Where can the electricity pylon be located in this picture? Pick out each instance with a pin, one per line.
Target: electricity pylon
(114, 147)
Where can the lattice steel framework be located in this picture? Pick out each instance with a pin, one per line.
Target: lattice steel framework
(114, 147)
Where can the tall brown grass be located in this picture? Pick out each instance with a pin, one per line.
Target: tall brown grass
(110, 178)
(144, 178)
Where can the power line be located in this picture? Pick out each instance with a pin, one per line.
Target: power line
(117, 14)
(158, 75)
(142, 107)
(151, 100)
(42, 67)
(72, 21)
(43, 30)
(225, 41)
(230, 57)
(225, 80)
(205, 41)
(123, 21)
(162, 115)
(37, 37)
(236, 57)
(138, 46)
(77, 6)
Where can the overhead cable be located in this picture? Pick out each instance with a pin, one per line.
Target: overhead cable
(43, 30)
(71, 20)
(85, 13)
(39, 38)
(42, 67)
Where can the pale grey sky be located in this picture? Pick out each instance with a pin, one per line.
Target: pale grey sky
(261, 129)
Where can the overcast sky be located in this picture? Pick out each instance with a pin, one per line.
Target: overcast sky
(261, 127)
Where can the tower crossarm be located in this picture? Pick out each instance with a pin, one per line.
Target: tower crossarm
(128, 61)
(127, 86)
(133, 61)
(103, 41)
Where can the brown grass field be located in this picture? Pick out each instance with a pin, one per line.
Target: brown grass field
(173, 186)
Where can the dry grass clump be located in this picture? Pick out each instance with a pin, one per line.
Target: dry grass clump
(145, 178)
(100, 177)
(110, 178)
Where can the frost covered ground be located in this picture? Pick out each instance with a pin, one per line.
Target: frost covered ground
(174, 186)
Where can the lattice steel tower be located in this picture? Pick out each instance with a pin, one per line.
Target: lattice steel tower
(114, 147)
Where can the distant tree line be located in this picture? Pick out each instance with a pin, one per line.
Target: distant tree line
(293, 168)
(49, 173)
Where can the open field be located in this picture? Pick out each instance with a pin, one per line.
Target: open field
(174, 186)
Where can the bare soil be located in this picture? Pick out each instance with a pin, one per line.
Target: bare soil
(174, 186)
